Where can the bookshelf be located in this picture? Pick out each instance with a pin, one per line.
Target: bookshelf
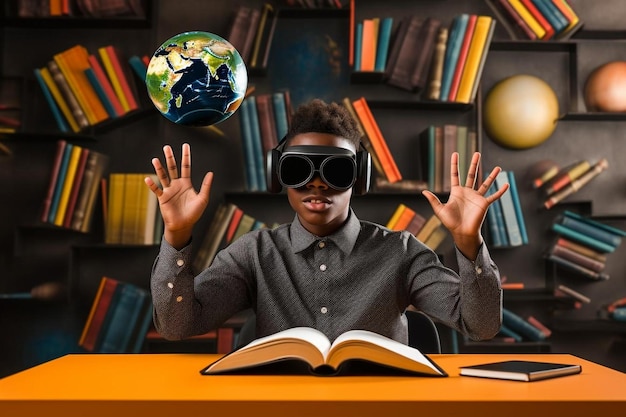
(30, 254)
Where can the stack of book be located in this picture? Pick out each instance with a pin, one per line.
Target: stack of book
(517, 329)
(251, 33)
(536, 19)
(583, 244)
(84, 89)
(72, 192)
(132, 216)
(264, 121)
(229, 223)
(505, 218)
(120, 316)
(437, 145)
(429, 231)
(557, 184)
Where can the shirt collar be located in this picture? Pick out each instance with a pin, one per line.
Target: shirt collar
(345, 237)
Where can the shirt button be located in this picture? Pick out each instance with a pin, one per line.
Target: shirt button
(324, 310)
(479, 270)
(323, 267)
(170, 285)
(180, 262)
(321, 245)
(179, 298)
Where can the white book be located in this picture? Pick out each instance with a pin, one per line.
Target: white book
(508, 211)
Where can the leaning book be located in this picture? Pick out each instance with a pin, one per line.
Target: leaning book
(304, 349)
(521, 370)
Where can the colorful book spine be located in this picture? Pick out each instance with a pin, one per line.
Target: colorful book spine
(384, 36)
(61, 112)
(532, 9)
(479, 47)
(518, 324)
(58, 188)
(592, 231)
(573, 256)
(91, 76)
(575, 267)
(259, 156)
(56, 168)
(552, 14)
(508, 211)
(78, 179)
(539, 31)
(68, 96)
(517, 204)
(582, 238)
(463, 52)
(453, 48)
(105, 83)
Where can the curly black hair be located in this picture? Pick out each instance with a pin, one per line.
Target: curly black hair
(321, 117)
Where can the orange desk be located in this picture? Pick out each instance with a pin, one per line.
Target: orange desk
(170, 385)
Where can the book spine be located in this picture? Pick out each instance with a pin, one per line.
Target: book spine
(517, 204)
(508, 332)
(581, 249)
(116, 332)
(582, 238)
(578, 258)
(61, 112)
(599, 225)
(56, 167)
(539, 325)
(77, 112)
(463, 53)
(577, 184)
(479, 46)
(508, 211)
(78, 179)
(267, 122)
(436, 72)
(395, 216)
(116, 62)
(573, 293)
(58, 188)
(539, 31)
(426, 41)
(106, 84)
(56, 111)
(102, 305)
(566, 178)
(384, 36)
(368, 45)
(592, 231)
(532, 9)
(259, 156)
(280, 114)
(358, 40)
(101, 166)
(248, 148)
(574, 267)
(108, 106)
(453, 48)
(492, 223)
(552, 15)
(518, 324)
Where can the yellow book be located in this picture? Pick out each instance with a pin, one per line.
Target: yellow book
(58, 97)
(480, 41)
(117, 86)
(436, 237)
(73, 62)
(429, 227)
(395, 216)
(132, 208)
(114, 223)
(152, 207)
(534, 25)
(67, 185)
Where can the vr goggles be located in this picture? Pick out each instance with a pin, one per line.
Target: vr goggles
(299, 164)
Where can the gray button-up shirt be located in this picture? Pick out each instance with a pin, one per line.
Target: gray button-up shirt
(361, 277)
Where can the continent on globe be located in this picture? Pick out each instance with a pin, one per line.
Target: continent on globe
(196, 79)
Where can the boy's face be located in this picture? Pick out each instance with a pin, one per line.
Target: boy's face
(320, 208)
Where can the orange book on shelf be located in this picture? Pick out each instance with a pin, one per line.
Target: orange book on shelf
(477, 50)
(377, 139)
(528, 4)
(368, 45)
(405, 219)
(106, 85)
(117, 76)
(73, 63)
(460, 63)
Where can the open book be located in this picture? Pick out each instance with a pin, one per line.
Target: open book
(356, 351)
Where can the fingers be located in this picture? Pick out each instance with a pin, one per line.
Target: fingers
(153, 186)
(435, 203)
(454, 169)
(170, 162)
(472, 172)
(160, 172)
(487, 184)
(185, 162)
(205, 188)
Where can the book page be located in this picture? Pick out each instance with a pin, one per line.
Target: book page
(363, 344)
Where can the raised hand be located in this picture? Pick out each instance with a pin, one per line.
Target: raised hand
(181, 206)
(464, 212)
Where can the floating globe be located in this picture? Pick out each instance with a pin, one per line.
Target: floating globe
(196, 79)
(520, 112)
(605, 88)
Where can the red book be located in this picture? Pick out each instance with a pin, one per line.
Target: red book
(121, 76)
(460, 63)
(234, 222)
(352, 29)
(225, 339)
(53, 179)
(106, 84)
(540, 18)
(78, 179)
(98, 313)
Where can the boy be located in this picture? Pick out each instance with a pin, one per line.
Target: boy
(327, 269)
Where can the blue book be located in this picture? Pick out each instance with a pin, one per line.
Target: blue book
(142, 327)
(384, 36)
(93, 80)
(428, 158)
(518, 207)
(56, 112)
(246, 142)
(552, 14)
(508, 211)
(619, 314)
(521, 326)
(603, 226)
(117, 333)
(582, 238)
(592, 231)
(358, 40)
(58, 188)
(138, 67)
(280, 114)
(506, 331)
(453, 48)
(259, 155)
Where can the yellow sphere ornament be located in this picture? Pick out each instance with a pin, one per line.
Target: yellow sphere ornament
(520, 112)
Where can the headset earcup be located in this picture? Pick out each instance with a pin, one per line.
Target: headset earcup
(363, 172)
(271, 171)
